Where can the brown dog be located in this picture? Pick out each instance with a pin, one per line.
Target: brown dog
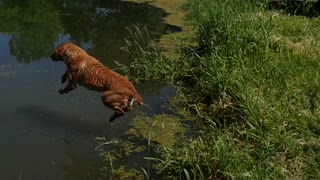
(83, 69)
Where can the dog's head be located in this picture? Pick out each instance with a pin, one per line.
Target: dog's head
(65, 52)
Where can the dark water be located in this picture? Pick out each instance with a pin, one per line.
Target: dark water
(44, 135)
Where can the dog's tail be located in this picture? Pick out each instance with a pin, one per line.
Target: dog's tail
(137, 97)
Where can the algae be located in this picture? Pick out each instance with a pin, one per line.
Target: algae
(162, 129)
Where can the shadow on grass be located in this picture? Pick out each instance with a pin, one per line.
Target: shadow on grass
(299, 7)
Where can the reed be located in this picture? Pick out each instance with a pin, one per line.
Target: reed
(148, 62)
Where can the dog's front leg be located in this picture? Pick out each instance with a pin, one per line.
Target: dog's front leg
(68, 88)
(72, 84)
(64, 77)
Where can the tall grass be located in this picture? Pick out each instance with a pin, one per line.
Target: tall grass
(148, 62)
(254, 86)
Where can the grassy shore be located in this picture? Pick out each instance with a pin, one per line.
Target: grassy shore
(252, 86)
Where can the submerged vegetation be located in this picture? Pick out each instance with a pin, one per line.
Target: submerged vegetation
(252, 87)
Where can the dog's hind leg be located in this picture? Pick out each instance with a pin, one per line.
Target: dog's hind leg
(117, 101)
(119, 112)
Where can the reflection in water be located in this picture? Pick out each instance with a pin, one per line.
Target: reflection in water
(36, 25)
(44, 135)
(33, 27)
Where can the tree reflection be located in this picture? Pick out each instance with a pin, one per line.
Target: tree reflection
(33, 27)
(36, 25)
(102, 25)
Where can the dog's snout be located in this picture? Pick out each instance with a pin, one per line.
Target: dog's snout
(54, 57)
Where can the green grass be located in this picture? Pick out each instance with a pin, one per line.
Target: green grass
(253, 88)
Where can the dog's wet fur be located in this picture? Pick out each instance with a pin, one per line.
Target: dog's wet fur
(83, 69)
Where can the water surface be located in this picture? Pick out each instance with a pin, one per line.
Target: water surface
(44, 135)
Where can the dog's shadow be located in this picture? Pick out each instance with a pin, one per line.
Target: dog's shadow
(50, 118)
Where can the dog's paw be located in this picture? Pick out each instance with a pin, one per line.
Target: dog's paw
(64, 78)
(61, 91)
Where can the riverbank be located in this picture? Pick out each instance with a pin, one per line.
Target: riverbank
(251, 85)
(182, 36)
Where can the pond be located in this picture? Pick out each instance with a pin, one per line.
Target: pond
(45, 135)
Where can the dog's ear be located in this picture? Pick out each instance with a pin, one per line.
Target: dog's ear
(69, 54)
